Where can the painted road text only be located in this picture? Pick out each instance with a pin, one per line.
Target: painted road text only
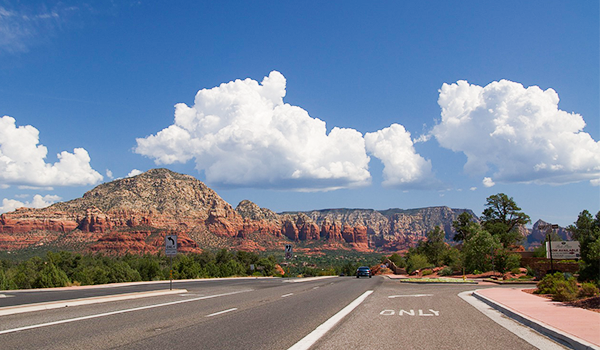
(409, 313)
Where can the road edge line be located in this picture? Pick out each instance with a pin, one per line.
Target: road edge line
(116, 312)
(310, 339)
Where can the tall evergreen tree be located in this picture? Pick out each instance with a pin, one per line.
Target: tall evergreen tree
(502, 217)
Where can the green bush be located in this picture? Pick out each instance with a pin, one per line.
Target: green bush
(565, 290)
(427, 272)
(530, 271)
(515, 271)
(417, 262)
(446, 271)
(548, 284)
(398, 260)
(588, 289)
(50, 276)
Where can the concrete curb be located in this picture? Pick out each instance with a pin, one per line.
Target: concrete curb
(549, 331)
(18, 309)
(404, 280)
(441, 283)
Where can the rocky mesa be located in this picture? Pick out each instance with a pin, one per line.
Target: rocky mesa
(134, 214)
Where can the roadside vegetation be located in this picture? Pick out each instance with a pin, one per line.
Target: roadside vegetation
(66, 268)
(489, 245)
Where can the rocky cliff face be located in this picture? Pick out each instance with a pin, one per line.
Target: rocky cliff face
(535, 236)
(134, 214)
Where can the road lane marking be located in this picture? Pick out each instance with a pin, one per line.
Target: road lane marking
(17, 309)
(410, 312)
(308, 341)
(410, 295)
(221, 312)
(306, 279)
(119, 312)
(287, 295)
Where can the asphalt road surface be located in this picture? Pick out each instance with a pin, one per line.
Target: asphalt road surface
(261, 314)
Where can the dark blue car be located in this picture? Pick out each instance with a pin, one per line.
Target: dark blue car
(363, 271)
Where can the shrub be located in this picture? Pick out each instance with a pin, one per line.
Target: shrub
(446, 271)
(397, 260)
(427, 272)
(417, 262)
(548, 284)
(513, 262)
(565, 290)
(530, 271)
(515, 271)
(588, 290)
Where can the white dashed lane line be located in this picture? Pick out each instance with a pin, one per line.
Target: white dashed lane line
(222, 312)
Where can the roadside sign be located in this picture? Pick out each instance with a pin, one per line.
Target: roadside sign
(171, 245)
(567, 250)
(288, 251)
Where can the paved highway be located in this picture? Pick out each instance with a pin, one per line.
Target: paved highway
(261, 314)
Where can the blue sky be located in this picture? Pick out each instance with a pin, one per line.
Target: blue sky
(323, 105)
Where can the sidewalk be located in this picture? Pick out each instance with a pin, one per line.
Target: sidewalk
(575, 327)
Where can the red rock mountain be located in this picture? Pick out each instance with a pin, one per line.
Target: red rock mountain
(134, 215)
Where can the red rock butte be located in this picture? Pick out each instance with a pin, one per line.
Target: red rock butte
(134, 214)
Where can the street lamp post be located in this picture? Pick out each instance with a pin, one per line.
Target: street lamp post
(549, 240)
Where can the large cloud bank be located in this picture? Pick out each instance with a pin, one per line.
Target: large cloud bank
(22, 160)
(242, 134)
(517, 133)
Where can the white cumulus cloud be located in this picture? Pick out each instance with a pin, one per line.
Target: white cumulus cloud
(133, 173)
(37, 202)
(518, 132)
(22, 160)
(242, 134)
(403, 167)
(488, 182)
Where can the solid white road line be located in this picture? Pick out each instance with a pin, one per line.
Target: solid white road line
(410, 295)
(17, 309)
(287, 295)
(308, 341)
(221, 312)
(306, 279)
(118, 312)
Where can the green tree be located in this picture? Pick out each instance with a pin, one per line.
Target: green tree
(586, 230)
(502, 218)
(27, 273)
(416, 262)
(5, 281)
(398, 260)
(464, 226)
(478, 251)
(268, 265)
(434, 247)
(453, 258)
(50, 276)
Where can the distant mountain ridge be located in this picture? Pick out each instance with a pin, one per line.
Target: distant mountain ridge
(134, 214)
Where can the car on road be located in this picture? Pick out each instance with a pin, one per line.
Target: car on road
(363, 271)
